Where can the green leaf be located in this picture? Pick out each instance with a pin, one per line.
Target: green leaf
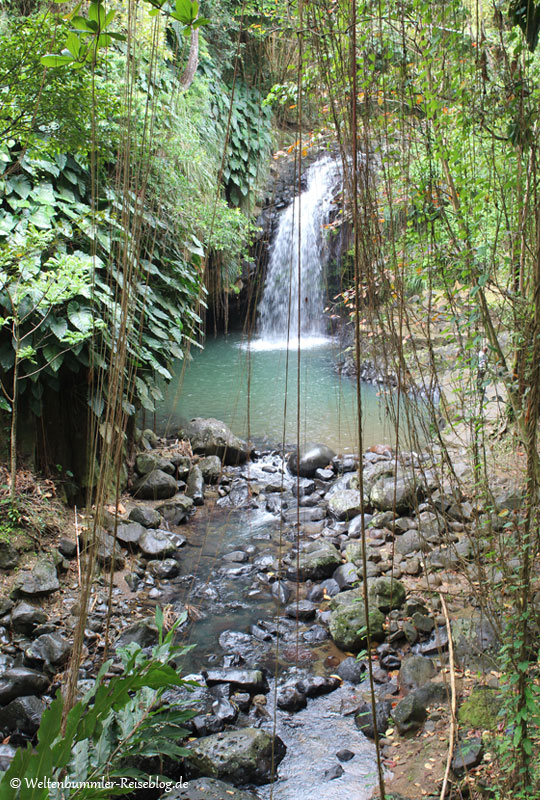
(20, 184)
(4, 405)
(51, 60)
(58, 326)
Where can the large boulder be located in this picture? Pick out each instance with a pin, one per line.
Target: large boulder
(50, 648)
(176, 511)
(211, 437)
(156, 485)
(211, 469)
(247, 680)
(129, 533)
(364, 718)
(156, 543)
(20, 682)
(208, 789)
(409, 714)
(144, 632)
(309, 458)
(146, 462)
(244, 756)
(415, 671)
(26, 617)
(347, 623)
(145, 516)
(318, 560)
(21, 715)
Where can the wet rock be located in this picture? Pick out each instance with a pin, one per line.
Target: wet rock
(156, 485)
(409, 714)
(176, 511)
(182, 465)
(26, 617)
(346, 576)
(208, 789)
(164, 570)
(415, 671)
(304, 487)
(147, 462)
(303, 610)
(412, 566)
(21, 716)
(133, 581)
(7, 754)
(242, 700)
(317, 685)
(468, 754)
(6, 604)
(289, 698)
(280, 592)
(9, 555)
(237, 556)
(386, 593)
(348, 620)
(346, 504)
(324, 474)
(51, 648)
(225, 710)
(128, 534)
(333, 773)
(244, 756)
(20, 682)
(211, 437)
(144, 632)
(248, 680)
(318, 560)
(41, 580)
(195, 486)
(210, 468)
(315, 634)
(309, 458)
(156, 543)
(303, 515)
(352, 670)
(107, 550)
(355, 528)
(145, 516)
(364, 718)
(344, 755)
(206, 724)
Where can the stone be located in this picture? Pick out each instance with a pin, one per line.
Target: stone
(145, 516)
(195, 486)
(50, 648)
(475, 641)
(318, 560)
(280, 592)
(409, 714)
(324, 474)
(411, 542)
(364, 718)
(245, 756)
(422, 623)
(164, 570)
(289, 698)
(415, 671)
(317, 685)
(156, 485)
(344, 755)
(386, 593)
(468, 754)
(9, 555)
(144, 632)
(128, 533)
(399, 493)
(309, 458)
(315, 634)
(182, 465)
(151, 437)
(334, 772)
(346, 504)
(20, 682)
(176, 511)
(147, 462)
(348, 620)
(7, 754)
(156, 543)
(211, 437)
(211, 468)
(107, 550)
(481, 709)
(436, 643)
(352, 670)
(40, 580)
(208, 789)
(355, 527)
(21, 716)
(26, 617)
(67, 548)
(346, 576)
(303, 610)
(248, 680)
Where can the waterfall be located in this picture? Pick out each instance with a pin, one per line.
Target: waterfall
(308, 214)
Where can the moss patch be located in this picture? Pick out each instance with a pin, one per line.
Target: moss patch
(481, 709)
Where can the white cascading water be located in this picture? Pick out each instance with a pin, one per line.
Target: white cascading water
(285, 282)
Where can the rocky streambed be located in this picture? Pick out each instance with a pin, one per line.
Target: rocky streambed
(265, 553)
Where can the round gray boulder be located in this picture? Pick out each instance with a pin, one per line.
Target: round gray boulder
(309, 458)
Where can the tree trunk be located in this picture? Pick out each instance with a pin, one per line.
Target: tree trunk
(193, 59)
